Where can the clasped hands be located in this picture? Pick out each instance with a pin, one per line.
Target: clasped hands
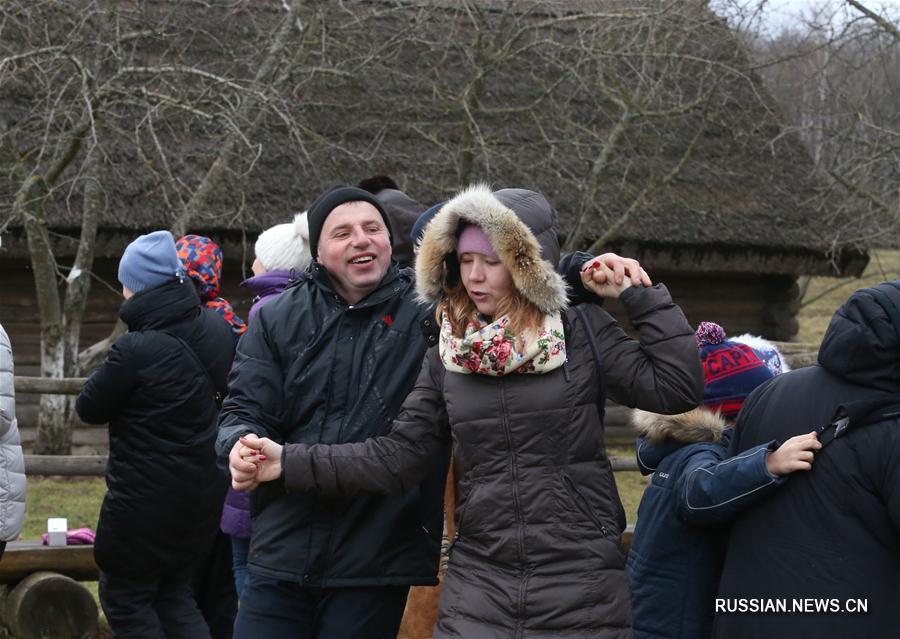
(608, 275)
(253, 460)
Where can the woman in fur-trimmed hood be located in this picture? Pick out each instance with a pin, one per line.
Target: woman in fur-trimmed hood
(515, 386)
(679, 540)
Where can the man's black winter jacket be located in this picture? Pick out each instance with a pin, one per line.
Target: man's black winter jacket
(312, 369)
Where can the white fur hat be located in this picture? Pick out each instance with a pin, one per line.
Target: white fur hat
(285, 247)
(766, 351)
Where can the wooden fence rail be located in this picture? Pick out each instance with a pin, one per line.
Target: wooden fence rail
(797, 355)
(49, 385)
(66, 465)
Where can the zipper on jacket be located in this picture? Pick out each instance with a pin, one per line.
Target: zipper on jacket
(462, 517)
(582, 502)
(520, 520)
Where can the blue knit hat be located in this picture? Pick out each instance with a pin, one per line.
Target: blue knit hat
(149, 261)
(732, 370)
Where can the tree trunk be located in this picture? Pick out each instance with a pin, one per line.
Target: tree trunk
(53, 437)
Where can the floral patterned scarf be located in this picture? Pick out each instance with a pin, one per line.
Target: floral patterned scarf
(492, 350)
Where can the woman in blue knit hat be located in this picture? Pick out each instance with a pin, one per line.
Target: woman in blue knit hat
(157, 390)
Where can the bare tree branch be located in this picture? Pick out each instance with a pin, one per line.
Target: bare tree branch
(886, 25)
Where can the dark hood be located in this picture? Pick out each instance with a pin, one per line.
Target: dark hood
(403, 212)
(161, 305)
(650, 454)
(862, 344)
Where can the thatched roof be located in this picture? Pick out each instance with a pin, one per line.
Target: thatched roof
(703, 173)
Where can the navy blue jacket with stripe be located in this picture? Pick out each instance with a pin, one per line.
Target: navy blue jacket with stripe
(679, 540)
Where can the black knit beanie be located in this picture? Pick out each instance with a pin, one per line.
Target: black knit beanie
(323, 205)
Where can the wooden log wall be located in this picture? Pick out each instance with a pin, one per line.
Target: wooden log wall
(19, 316)
(764, 305)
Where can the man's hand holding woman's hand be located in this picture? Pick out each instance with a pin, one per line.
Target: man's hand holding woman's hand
(253, 460)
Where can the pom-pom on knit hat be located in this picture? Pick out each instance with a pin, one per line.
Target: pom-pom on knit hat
(732, 370)
(149, 261)
(285, 247)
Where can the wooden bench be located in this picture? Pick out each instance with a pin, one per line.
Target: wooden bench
(40, 595)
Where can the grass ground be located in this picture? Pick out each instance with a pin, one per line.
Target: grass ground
(825, 294)
(75, 498)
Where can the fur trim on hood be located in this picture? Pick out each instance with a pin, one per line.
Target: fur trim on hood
(698, 425)
(512, 239)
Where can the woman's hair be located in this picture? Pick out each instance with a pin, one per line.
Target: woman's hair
(524, 315)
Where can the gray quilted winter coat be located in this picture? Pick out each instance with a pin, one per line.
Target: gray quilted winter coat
(539, 517)
(12, 463)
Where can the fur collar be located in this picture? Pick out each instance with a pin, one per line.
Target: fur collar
(516, 245)
(698, 425)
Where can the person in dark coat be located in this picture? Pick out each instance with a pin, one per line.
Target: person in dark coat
(157, 391)
(402, 211)
(515, 385)
(331, 359)
(821, 557)
(214, 579)
(679, 540)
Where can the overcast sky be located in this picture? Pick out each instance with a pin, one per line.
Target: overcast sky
(780, 14)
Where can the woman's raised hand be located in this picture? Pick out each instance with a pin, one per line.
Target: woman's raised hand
(254, 460)
(608, 275)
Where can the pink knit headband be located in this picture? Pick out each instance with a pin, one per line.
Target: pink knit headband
(474, 240)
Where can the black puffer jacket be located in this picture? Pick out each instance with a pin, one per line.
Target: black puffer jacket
(833, 534)
(164, 490)
(312, 369)
(539, 517)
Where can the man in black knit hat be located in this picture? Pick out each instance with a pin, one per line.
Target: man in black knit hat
(331, 360)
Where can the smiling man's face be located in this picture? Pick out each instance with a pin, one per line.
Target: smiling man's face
(355, 249)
